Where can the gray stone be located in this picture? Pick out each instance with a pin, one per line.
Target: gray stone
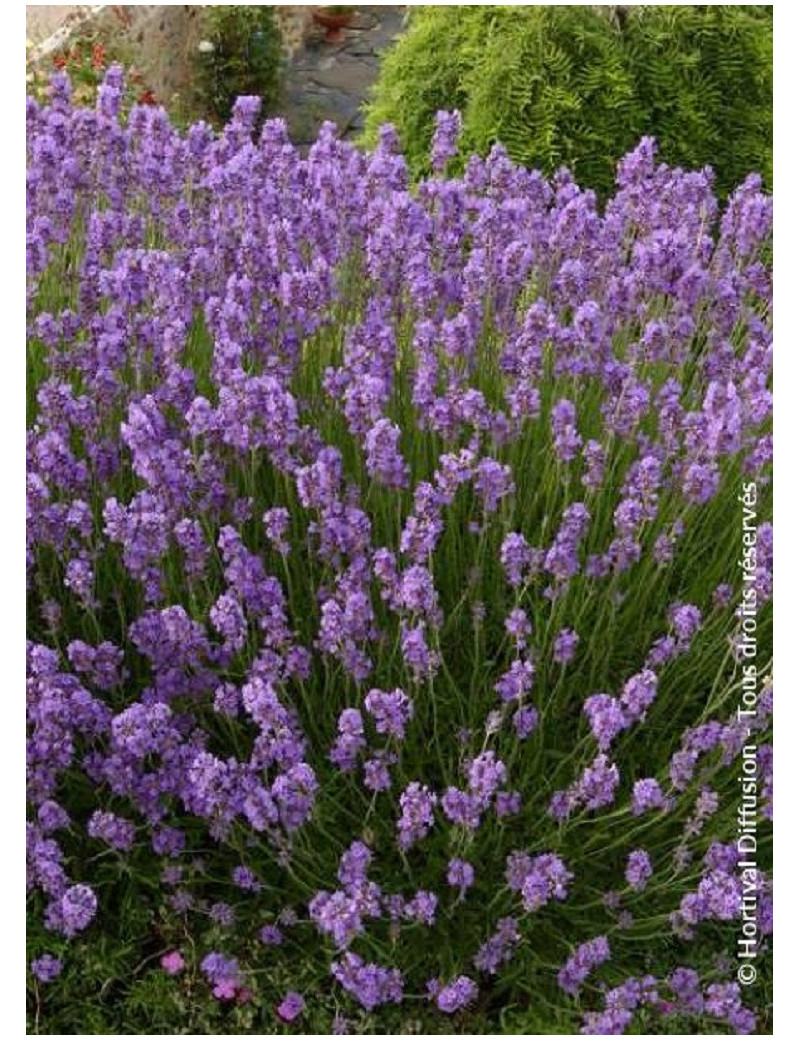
(331, 81)
(350, 75)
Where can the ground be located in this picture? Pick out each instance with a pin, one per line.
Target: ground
(330, 81)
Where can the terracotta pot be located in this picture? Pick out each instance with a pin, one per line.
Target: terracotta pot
(333, 23)
(335, 20)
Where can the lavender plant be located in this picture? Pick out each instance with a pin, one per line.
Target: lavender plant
(386, 578)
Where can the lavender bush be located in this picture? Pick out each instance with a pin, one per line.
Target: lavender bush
(386, 574)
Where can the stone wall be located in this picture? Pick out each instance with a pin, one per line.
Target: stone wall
(42, 21)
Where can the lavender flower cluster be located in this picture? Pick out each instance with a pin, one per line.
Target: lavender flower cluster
(375, 532)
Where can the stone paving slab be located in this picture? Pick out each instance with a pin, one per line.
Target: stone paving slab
(331, 81)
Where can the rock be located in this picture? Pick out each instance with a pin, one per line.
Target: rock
(331, 81)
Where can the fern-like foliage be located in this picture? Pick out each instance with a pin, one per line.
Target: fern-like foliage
(578, 85)
(704, 76)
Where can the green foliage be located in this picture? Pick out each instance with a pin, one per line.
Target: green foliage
(704, 76)
(86, 60)
(578, 85)
(247, 58)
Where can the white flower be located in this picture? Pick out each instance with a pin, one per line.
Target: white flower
(205, 47)
(494, 722)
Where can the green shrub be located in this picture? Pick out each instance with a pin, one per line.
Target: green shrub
(704, 78)
(579, 85)
(246, 58)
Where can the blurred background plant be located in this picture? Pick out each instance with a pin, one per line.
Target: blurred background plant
(704, 81)
(86, 59)
(241, 53)
(578, 85)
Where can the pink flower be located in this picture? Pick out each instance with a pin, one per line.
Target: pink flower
(225, 989)
(173, 963)
(291, 1007)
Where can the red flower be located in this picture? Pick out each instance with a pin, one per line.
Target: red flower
(147, 97)
(99, 56)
